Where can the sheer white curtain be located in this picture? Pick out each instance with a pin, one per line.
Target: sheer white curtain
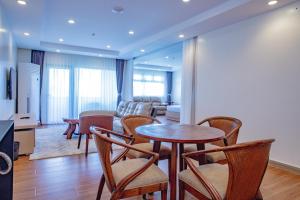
(73, 83)
(149, 83)
(188, 76)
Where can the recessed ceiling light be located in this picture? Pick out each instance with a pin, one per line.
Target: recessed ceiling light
(142, 50)
(22, 2)
(167, 57)
(271, 3)
(131, 32)
(26, 34)
(61, 39)
(57, 50)
(118, 10)
(71, 21)
(181, 36)
(185, 1)
(2, 30)
(108, 46)
(100, 55)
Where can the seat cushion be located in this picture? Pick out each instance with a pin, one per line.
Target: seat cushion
(143, 109)
(211, 157)
(164, 150)
(117, 126)
(122, 108)
(153, 175)
(216, 174)
(130, 108)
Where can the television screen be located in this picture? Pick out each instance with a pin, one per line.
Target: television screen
(11, 84)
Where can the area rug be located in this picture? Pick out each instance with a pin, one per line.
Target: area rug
(50, 143)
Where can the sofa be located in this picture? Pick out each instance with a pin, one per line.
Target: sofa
(135, 107)
(158, 108)
(140, 105)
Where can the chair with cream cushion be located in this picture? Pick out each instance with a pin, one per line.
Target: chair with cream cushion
(230, 126)
(130, 123)
(127, 178)
(240, 179)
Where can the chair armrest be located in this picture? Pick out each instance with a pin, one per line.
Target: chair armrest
(130, 138)
(230, 134)
(208, 186)
(95, 130)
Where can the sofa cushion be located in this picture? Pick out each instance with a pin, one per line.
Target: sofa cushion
(117, 126)
(143, 109)
(130, 108)
(122, 108)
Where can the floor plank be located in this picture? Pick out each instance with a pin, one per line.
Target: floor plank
(76, 177)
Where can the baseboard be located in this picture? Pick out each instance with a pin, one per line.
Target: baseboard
(284, 166)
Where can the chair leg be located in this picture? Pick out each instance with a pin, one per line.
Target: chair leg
(100, 188)
(79, 140)
(87, 145)
(181, 190)
(164, 195)
(181, 161)
(169, 168)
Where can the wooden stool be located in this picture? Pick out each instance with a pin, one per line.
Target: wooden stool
(71, 128)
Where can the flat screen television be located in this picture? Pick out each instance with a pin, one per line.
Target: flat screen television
(12, 84)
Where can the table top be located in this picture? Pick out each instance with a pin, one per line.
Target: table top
(180, 133)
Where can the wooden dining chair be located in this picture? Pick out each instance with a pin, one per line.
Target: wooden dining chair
(230, 126)
(240, 179)
(131, 177)
(86, 121)
(130, 123)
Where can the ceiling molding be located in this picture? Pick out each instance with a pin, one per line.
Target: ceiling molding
(79, 50)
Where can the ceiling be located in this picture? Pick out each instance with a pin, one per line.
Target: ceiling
(166, 59)
(156, 23)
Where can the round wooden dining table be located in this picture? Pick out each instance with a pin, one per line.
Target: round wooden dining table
(179, 134)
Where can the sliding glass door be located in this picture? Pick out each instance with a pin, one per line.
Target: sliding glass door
(69, 90)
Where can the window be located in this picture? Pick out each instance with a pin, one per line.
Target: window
(59, 90)
(73, 84)
(149, 83)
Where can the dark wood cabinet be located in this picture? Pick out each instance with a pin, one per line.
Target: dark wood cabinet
(6, 159)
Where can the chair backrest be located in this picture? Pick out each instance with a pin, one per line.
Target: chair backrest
(95, 112)
(247, 163)
(131, 122)
(104, 145)
(228, 125)
(103, 121)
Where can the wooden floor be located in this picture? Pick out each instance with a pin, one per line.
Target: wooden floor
(77, 177)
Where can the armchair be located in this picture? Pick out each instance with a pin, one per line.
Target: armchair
(241, 179)
(127, 178)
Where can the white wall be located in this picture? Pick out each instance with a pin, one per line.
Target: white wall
(251, 70)
(24, 55)
(176, 87)
(7, 60)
